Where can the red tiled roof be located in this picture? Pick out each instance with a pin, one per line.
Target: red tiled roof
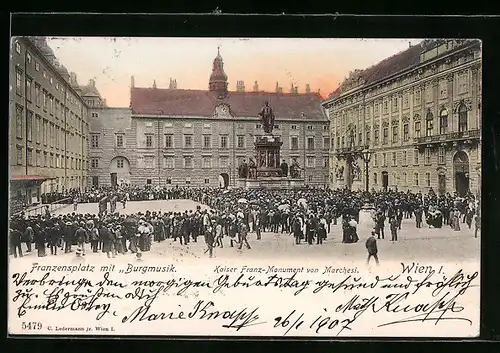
(29, 177)
(179, 102)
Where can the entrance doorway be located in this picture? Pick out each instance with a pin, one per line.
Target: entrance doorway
(223, 180)
(114, 180)
(461, 169)
(385, 180)
(441, 184)
(95, 181)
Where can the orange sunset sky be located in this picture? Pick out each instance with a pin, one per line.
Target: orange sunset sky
(323, 63)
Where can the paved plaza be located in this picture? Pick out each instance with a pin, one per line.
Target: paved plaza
(413, 244)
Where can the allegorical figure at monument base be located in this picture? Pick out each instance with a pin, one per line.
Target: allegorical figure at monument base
(284, 168)
(267, 118)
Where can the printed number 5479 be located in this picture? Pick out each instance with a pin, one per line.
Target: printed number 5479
(31, 326)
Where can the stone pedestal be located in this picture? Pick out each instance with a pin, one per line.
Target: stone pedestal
(267, 155)
(268, 174)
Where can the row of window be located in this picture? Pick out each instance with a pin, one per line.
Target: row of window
(417, 132)
(44, 132)
(188, 162)
(207, 141)
(238, 126)
(403, 180)
(52, 160)
(462, 84)
(50, 104)
(58, 87)
(441, 157)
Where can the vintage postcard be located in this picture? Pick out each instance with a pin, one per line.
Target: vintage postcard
(230, 187)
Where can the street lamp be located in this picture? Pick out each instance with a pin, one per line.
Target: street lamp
(366, 155)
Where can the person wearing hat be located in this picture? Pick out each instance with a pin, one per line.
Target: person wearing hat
(81, 235)
(371, 247)
(94, 237)
(54, 234)
(218, 234)
(108, 240)
(68, 237)
(243, 232)
(15, 242)
(40, 239)
(118, 246)
(28, 237)
(209, 240)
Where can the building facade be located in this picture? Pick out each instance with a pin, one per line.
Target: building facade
(48, 124)
(176, 137)
(418, 114)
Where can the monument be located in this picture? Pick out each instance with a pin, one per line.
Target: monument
(267, 171)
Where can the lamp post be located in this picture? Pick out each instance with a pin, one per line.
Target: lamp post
(366, 155)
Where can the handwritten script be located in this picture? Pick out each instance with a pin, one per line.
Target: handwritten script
(339, 300)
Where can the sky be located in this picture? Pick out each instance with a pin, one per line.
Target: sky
(321, 63)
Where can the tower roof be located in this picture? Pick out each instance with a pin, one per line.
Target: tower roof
(218, 74)
(218, 78)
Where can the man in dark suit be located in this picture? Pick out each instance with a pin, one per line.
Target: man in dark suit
(15, 242)
(371, 246)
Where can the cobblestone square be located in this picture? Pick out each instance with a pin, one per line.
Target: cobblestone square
(413, 244)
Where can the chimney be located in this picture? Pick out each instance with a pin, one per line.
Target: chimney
(92, 82)
(173, 83)
(308, 88)
(280, 89)
(132, 82)
(240, 86)
(154, 83)
(292, 90)
(277, 89)
(256, 87)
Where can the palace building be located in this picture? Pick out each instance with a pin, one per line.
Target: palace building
(48, 124)
(417, 115)
(181, 137)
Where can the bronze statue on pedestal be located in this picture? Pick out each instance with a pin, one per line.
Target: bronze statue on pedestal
(267, 118)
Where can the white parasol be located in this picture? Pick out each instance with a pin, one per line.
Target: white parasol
(225, 191)
(353, 223)
(283, 207)
(242, 201)
(302, 202)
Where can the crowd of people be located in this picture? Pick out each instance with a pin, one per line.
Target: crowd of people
(308, 215)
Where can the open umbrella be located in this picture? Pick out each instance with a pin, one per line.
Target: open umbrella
(302, 202)
(283, 207)
(225, 191)
(242, 201)
(353, 223)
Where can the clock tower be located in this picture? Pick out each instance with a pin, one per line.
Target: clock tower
(218, 78)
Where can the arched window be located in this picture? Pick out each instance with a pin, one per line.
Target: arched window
(462, 118)
(375, 180)
(443, 121)
(429, 124)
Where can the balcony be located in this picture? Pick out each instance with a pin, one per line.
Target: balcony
(352, 151)
(467, 137)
